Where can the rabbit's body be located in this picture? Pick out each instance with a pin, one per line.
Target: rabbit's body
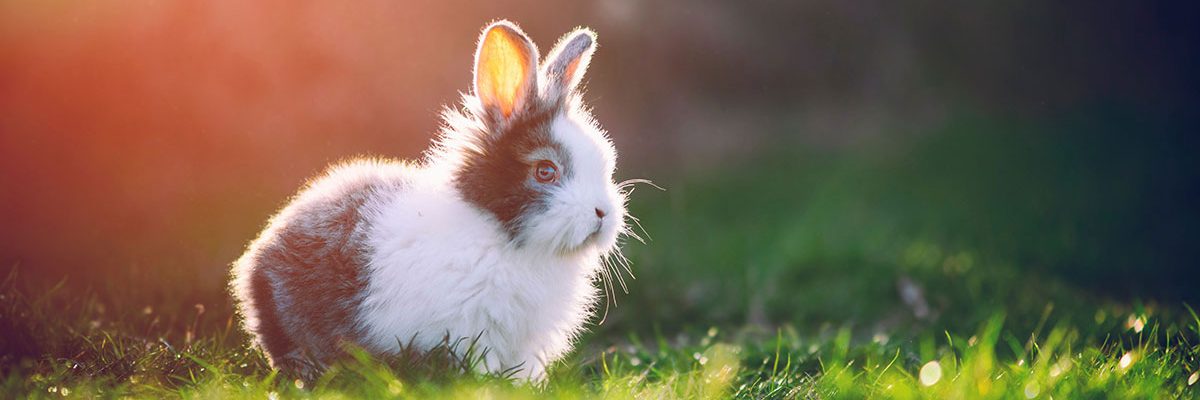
(493, 241)
(382, 255)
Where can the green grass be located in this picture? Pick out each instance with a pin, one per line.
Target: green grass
(779, 277)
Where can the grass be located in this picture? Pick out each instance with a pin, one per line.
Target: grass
(986, 260)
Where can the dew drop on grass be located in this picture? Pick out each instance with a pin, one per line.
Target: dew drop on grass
(1195, 377)
(299, 384)
(931, 373)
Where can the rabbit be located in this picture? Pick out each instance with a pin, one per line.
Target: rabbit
(497, 235)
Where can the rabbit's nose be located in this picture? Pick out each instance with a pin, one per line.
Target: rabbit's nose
(600, 213)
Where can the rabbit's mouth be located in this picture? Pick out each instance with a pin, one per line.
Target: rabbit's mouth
(591, 240)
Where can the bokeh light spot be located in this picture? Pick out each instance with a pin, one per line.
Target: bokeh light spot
(1126, 360)
(931, 373)
(1032, 389)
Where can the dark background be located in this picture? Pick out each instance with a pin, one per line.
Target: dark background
(147, 142)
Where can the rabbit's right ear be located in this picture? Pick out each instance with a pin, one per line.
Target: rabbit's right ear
(567, 62)
(505, 70)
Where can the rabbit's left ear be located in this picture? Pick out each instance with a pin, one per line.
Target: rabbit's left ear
(567, 62)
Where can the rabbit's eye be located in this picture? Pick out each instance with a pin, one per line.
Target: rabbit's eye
(545, 172)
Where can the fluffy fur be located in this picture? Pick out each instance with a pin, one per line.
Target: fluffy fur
(465, 244)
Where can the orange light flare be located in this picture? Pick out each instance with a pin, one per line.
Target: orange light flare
(161, 133)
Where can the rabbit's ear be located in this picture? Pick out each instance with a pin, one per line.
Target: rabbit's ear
(568, 61)
(505, 69)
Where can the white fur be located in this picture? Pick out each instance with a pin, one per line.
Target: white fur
(439, 267)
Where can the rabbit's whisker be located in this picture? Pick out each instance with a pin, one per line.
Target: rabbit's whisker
(630, 182)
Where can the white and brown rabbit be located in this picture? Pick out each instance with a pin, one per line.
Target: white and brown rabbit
(497, 236)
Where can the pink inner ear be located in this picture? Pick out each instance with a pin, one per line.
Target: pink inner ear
(569, 72)
(502, 70)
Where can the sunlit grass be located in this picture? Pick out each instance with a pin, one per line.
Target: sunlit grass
(918, 273)
(990, 362)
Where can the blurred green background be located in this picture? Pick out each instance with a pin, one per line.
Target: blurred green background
(820, 159)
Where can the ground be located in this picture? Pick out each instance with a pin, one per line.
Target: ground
(986, 259)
